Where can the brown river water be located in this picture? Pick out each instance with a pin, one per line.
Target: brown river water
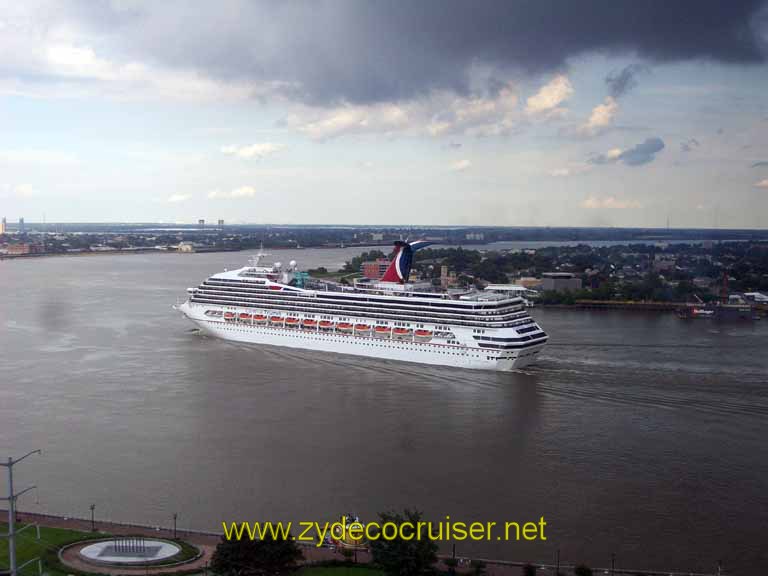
(636, 434)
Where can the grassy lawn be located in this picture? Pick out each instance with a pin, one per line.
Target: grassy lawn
(339, 571)
(51, 539)
(28, 546)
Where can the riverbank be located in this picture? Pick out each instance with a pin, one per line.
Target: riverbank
(759, 309)
(619, 305)
(90, 253)
(207, 541)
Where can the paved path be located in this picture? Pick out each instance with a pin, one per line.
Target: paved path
(207, 542)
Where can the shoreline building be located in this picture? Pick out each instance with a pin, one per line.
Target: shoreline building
(374, 269)
(3, 226)
(560, 281)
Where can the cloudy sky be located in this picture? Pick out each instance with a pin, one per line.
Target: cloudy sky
(588, 113)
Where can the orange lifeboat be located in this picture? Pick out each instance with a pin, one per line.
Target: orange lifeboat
(229, 315)
(401, 333)
(245, 316)
(344, 327)
(309, 323)
(423, 335)
(275, 319)
(325, 325)
(382, 331)
(259, 318)
(291, 321)
(363, 328)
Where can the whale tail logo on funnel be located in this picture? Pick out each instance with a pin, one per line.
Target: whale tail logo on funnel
(400, 267)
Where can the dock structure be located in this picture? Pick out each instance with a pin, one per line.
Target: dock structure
(649, 306)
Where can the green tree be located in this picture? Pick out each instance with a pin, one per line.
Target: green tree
(268, 557)
(480, 568)
(400, 557)
(348, 554)
(582, 570)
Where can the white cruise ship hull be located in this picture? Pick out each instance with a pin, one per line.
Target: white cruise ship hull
(459, 354)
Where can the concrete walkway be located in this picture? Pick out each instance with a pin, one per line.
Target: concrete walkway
(207, 542)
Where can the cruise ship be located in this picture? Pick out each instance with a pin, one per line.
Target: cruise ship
(391, 318)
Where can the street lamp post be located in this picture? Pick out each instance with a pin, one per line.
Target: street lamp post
(93, 520)
(12, 496)
(174, 525)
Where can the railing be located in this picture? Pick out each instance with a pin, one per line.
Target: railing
(409, 317)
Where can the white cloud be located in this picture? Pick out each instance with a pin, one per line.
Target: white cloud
(17, 191)
(762, 183)
(439, 114)
(614, 153)
(546, 102)
(24, 191)
(461, 165)
(601, 117)
(176, 198)
(323, 124)
(638, 155)
(571, 170)
(80, 62)
(241, 192)
(593, 202)
(253, 151)
(47, 54)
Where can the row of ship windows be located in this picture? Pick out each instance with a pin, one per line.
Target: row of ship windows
(312, 308)
(480, 309)
(500, 314)
(346, 297)
(220, 313)
(438, 328)
(378, 345)
(347, 339)
(281, 294)
(518, 339)
(212, 299)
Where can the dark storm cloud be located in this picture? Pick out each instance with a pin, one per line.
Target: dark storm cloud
(622, 81)
(638, 155)
(643, 153)
(358, 51)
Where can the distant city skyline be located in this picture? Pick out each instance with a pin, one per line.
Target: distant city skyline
(382, 113)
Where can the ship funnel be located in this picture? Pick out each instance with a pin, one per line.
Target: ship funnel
(400, 268)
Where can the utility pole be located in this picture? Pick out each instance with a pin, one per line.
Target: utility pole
(613, 562)
(12, 496)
